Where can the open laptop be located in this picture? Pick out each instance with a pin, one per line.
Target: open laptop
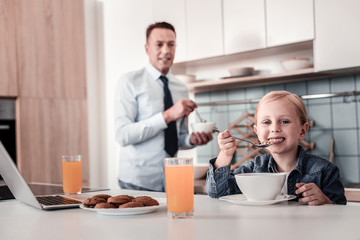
(21, 190)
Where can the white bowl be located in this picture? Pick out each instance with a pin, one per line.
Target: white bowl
(200, 171)
(241, 71)
(186, 78)
(293, 64)
(203, 126)
(260, 186)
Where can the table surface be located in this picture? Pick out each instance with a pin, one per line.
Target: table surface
(213, 219)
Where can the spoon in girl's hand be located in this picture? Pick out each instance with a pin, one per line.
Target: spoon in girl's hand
(269, 143)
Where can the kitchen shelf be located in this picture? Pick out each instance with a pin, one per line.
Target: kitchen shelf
(257, 80)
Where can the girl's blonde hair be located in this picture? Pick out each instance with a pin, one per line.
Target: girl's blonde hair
(288, 96)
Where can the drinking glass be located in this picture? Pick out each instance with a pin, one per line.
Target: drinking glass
(72, 174)
(179, 184)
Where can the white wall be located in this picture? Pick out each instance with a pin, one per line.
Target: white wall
(95, 94)
(113, 48)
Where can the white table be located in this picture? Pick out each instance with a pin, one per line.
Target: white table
(213, 219)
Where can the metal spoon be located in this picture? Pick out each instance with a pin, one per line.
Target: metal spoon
(201, 119)
(253, 144)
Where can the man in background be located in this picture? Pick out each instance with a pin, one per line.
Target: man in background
(151, 110)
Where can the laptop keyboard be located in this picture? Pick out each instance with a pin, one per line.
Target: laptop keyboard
(56, 200)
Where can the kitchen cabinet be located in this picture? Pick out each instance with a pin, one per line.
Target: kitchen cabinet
(289, 21)
(174, 13)
(8, 64)
(49, 129)
(337, 43)
(52, 63)
(51, 106)
(204, 29)
(244, 25)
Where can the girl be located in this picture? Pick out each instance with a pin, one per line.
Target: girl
(280, 118)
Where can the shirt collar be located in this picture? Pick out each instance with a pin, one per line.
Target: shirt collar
(154, 72)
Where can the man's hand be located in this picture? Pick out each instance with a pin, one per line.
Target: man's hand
(312, 194)
(180, 109)
(200, 138)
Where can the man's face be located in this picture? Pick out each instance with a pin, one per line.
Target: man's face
(160, 47)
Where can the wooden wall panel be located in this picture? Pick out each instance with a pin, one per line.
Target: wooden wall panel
(52, 101)
(51, 48)
(8, 65)
(51, 128)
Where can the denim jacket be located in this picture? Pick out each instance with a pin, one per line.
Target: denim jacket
(309, 168)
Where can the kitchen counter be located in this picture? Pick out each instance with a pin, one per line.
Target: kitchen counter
(213, 219)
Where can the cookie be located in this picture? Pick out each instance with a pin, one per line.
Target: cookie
(91, 202)
(131, 205)
(105, 196)
(120, 199)
(105, 205)
(146, 201)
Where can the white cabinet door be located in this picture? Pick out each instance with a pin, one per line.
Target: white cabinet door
(337, 43)
(204, 28)
(289, 21)
(173, 12)
(244, 25)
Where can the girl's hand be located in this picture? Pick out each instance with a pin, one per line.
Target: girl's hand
(312, 194)
(227, 147)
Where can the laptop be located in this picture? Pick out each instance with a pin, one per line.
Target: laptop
(22, 192)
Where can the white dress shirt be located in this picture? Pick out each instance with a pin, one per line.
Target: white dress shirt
(140, 125)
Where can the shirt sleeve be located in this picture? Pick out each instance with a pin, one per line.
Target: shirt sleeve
(127, 130)
(184, 137)
(220, 182)
(332, 186)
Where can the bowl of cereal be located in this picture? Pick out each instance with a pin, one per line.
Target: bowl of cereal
(203, 127)
(260, 186)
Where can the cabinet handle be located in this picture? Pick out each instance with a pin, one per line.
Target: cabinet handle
(4, 127)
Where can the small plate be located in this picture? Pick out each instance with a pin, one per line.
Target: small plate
(241, 199)
(127, 211)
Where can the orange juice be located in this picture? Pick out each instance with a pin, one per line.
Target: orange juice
(179, 182)
(72, 176)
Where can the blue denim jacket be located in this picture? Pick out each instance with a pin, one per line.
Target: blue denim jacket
(309, 168)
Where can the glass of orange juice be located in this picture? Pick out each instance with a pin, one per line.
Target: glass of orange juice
(179, 184)
(72, 174)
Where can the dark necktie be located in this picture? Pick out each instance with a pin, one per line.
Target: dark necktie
(171, 140)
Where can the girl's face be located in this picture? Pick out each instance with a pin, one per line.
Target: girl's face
(278, 121)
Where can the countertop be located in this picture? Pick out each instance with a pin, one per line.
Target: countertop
(213, 219)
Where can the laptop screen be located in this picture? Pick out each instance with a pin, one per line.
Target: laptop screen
(14, 180)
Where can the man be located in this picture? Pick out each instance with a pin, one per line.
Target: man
(151, 110)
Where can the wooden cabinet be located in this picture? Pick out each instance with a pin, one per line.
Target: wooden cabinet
(174, 13)
(204, 29)
(52, 102)
(51, 51)
(8, 64)
(337, 43)
(289, 21)
(244, 25)
(50, 128)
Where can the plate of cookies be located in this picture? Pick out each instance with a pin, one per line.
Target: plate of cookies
(122, 204)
